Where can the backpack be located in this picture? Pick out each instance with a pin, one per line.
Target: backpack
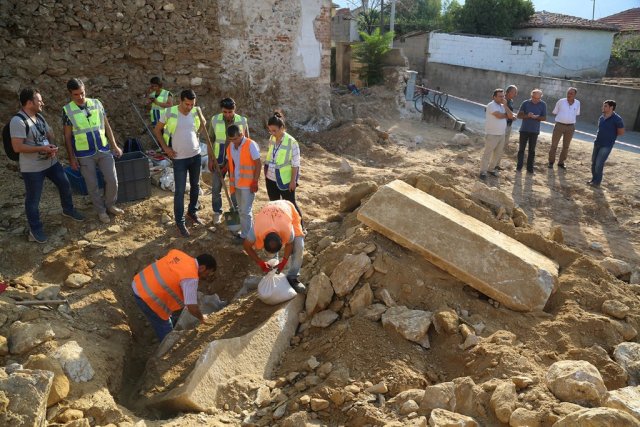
(132, 144)
(6, 138)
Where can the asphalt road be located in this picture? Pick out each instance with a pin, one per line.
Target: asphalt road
(472, 113)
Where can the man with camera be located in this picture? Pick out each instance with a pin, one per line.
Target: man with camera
(32, 139)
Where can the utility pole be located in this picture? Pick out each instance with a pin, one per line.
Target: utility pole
(392, 18)
(593, 11)
(381, 17)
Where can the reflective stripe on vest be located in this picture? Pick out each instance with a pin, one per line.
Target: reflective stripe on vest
(284, 153)
(246, 168)
(156, 110)
(158, 285)
(278, 216)
(172, 122)
(219, 127)
(87, 127)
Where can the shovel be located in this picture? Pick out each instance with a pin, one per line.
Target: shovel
(232, 217)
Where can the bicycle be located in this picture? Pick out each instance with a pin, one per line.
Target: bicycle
(420, 95)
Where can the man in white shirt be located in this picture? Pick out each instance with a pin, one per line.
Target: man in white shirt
(566, 111)
(181, 125)
(497, 113)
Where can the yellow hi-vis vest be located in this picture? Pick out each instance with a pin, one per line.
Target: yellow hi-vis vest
(88, 127)
(156, 110)
(172, 122)
(219, 129)
(282, 162)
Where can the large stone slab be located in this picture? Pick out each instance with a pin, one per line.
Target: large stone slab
(254, 354)
(490, 261)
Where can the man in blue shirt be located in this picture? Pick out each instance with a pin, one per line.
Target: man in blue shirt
(532, 112)
(610, 126)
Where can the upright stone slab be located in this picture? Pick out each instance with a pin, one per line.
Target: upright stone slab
(254, 354)
(490, 261)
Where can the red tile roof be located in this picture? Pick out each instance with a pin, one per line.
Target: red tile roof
(627, 20)
(546, 19)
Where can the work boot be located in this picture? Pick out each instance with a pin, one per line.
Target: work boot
(183, 230)
(37, 236)
(193, 217)
(562, 166)
(550, 165)
(483, 175)
(296, 285)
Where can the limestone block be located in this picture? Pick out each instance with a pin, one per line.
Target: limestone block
(60, 383)
(77, 280)
(627, 354)
(438, 396)
(615, 308)
(616, 267)
(522, 417)
(383, 295)
(446, 321)
(626, 399)
(346, 275)
(493, 197)
(374, 312)
(490, 261)
(408, 407)
(361, 299)
(411, 324)
(597, 417)
(26, 336)
(324, 318)
(25, 393)
(503, 400)
(443, 418)
(399, 399)
(576, 381)
(356, 193)
(319, 294)
(256, 353)
(74, 362)
(48, 292)
(4, 346)
(345, 167)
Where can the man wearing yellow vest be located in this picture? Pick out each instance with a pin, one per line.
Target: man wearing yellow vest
(159, 99)
(243, 156)
(181, 125)
(278, 222)
(168, 285)
(90, 144)
(219, 124)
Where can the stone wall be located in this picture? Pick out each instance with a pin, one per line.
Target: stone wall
(266, 54)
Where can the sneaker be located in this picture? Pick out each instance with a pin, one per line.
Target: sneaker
(217, 218)
(37, 236)
(483, 175)
(182, 229)
(593, 184)
(104, 217)
(550, 166)
(193, 217)
(296, 285)
(518, 170)
(498, 168)
(493, 173)
(562, 166)
(74, 215)
(114, 210)
(530, 171)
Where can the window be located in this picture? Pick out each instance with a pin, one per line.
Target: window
(556, 47)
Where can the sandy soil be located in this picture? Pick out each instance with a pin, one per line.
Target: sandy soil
(381, 144)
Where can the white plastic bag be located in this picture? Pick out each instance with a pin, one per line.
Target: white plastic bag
(274, 288)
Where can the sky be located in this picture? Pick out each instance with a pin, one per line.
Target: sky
(581, 8)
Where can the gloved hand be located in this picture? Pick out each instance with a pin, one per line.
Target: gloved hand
(263, 266)
(282, 264)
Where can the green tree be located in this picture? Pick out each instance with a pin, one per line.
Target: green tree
(625, 53)
(450, 12)
(413, 15)
(492, 17)
(368, 21)
(369, 53)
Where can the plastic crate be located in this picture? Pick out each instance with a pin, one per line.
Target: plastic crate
(134, 190)
(134, 176)
(76, 180)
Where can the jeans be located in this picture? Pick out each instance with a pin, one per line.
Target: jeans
(598, 158)
(161, 327)
(103, 160)
(180, 169)
(276, 193)
(245, 199)
(296, 257)
(216, 193)
(33, 184)
(532, 139)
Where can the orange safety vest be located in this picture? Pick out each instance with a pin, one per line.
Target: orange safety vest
(247, 167)
(278, 216)
(158, 285)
